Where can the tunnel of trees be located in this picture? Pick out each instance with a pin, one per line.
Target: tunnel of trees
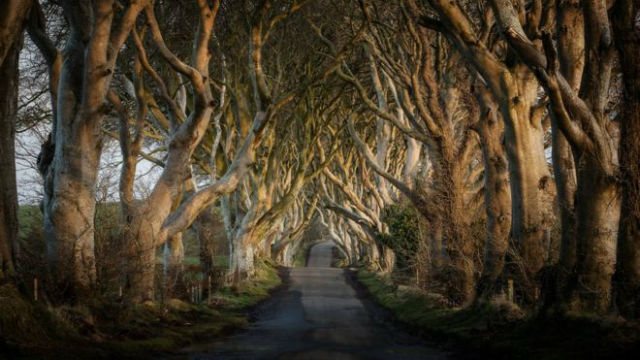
(476, 147)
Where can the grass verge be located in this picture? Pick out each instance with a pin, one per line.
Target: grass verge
(32, 331)
(500, 331)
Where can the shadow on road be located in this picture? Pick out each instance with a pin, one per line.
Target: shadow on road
(317, 315)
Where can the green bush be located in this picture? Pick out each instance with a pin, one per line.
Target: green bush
(404, 233)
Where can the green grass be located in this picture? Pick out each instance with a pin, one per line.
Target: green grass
(31, 330)
(34, 330)
(300, 258)
(150, 329)
(21, 319)
(221, 261)
(251, 291)
(503, 331)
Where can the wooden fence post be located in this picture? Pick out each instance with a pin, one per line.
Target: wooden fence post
(510, 290)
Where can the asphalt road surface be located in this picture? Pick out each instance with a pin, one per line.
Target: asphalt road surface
(318, 316)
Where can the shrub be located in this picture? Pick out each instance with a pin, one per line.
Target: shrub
(404, 234)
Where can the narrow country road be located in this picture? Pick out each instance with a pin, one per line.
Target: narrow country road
(318, 316)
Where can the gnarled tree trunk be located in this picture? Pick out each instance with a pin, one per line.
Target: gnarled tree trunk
(497, 196)
(515, 91)
(69, 160)
(532, 188)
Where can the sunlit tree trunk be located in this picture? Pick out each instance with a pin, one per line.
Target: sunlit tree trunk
(515, 90)
(594, 142)
(532, 188)
(70, 174)
(497, 195)
(459, 245)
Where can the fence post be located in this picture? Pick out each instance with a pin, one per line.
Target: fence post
(510, 290)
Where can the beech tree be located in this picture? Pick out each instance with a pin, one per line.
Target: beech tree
(627, 40)
(279, 183)
(12, 23)
(593, 136)
(515, 89)
(69, 161)
(509, 127)
(430, 111)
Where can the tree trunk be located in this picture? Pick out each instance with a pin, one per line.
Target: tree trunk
(206, 224)
(598, 213)
(497, 196)
(141, 254)
(173, 267)
(628, 270)
(243, 242)
(628, 277)
(9, 76)
(459, 245)
(389, 259)
(412, 160)
(70, 173)
(532, 188)
(243, 264)
(565, 177)
(570, 30)
(436, 247)
(69, 201)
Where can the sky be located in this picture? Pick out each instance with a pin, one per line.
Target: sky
(30, 182)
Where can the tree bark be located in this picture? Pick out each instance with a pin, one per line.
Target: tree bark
(598, 216)
(594, 141)
(627, 35)
(206, 224)
(532, 189)
(458, 243)
(9, 75)
(69, 202)
(497, 196)
(570, 30)
(76, 140)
